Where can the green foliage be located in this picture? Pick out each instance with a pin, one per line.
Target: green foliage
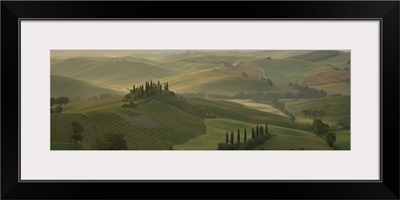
(62, 100)
(315, 114)
(58, 109)
(345, 124)
(77, 130)
(232, 140)
(238, 137)
(225, 146)
(77, 127)
(226, 138)
(250, 144)
(52, 101)
(319, 127)
(245, 135)
(330, 138)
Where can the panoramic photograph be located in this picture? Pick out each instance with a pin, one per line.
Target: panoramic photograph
(200, 100)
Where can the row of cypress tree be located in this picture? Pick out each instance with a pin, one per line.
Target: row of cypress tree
(258, 136)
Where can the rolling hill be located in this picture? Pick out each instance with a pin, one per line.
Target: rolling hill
(63, 86)
(168, 120)
(108, 71)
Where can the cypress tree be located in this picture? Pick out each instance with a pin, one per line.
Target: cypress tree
(226, 138)
(158, 82)
(245, 135)
(257, 130)
(232, 137)
(261, 130)
(238, 137)
(151, 87)
(266, 128)
(253, 135)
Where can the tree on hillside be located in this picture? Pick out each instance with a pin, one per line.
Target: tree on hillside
(266, 128)
(238, 137)
(226, 138)
(319, 127)
(330, 138)
(253, 134)
(245, 135)
(58, 109)
(77, 130)
(257, 130)
(232, 137)
(62, 100)
(52, 101)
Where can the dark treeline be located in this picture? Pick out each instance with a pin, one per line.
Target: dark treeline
(306, 92)
(59, 101)
(243, 141)
(314, 114)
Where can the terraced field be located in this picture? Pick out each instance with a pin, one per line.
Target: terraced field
(154, 125)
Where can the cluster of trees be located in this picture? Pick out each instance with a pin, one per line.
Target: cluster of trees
(345, 124)
(258, 136)
(59, 101)
(144, 91)
(306, 92)
(281, 106)
(77, 132)
(321, 129)
(315, 114)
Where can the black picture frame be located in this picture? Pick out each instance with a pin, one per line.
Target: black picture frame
(386, 11)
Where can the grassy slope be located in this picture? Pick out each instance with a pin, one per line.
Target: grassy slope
(343, 139)
(108, 70)
(336, 108)
(63, 86)
(232, 116)
(342, 88)
(284, 71)
(285, 139)
(148, 125)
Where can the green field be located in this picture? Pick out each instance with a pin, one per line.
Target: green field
(336, 108)
(63, 86)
